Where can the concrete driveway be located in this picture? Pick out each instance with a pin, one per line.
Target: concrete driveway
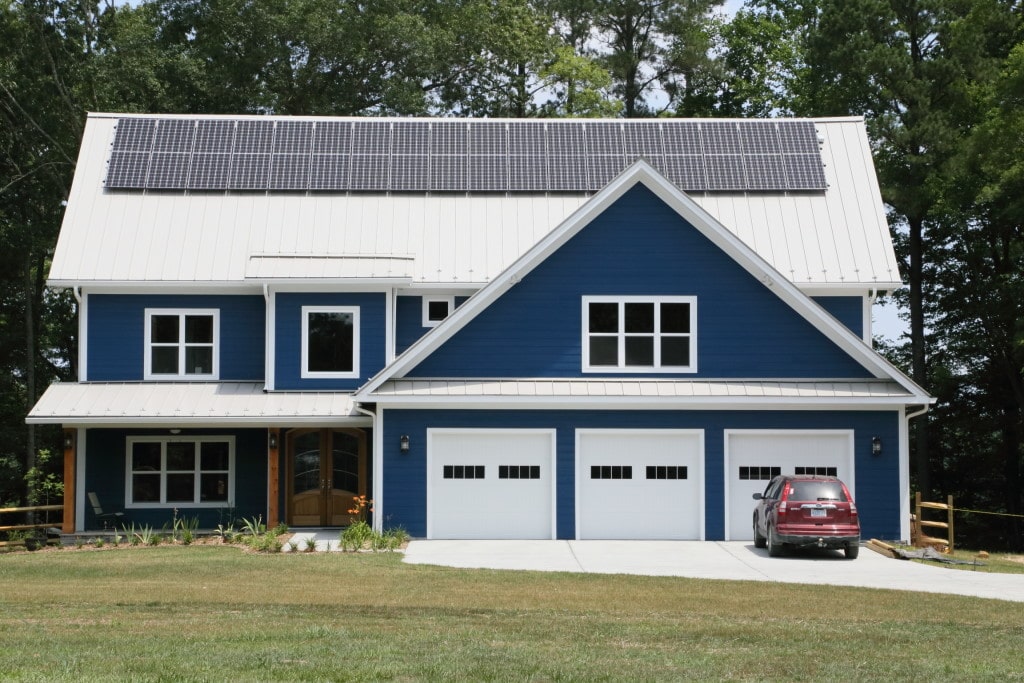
(735, 560)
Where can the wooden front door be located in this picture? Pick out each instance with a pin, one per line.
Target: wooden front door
(326, 470)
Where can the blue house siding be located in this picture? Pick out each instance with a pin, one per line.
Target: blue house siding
(105, 472)
(877, 477)
(639, 246)
(849, 310)
(288, 338)
(116, 333)
(409, 320)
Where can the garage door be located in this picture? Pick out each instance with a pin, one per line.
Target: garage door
(753, 458)
(639, 484)
(490, 484)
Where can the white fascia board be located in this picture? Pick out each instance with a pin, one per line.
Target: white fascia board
(204, 422)
(747, 258)
(153, 287)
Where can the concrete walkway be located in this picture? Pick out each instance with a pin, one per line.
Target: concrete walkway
(736, 560)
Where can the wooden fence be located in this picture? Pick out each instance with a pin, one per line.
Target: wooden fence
(32, 508)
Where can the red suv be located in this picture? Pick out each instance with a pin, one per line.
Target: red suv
(804, 511)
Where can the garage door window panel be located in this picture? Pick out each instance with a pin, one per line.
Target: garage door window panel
(518, 472)
(464, 471)
(667, 472)
(639, 334)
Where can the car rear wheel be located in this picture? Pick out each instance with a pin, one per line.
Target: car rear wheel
(759, 540)
(774, 549)
(852, 551)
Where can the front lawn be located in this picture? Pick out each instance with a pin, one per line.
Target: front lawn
(215, 613)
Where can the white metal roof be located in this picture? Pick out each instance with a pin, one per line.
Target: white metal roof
(186, 403)
(831, 240)
(644, 392)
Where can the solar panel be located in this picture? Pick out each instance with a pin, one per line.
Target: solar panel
(215, 137)
(720, 137)
(373, 155)
(409, 172)
(682, 137)
(210, 172)
(685, 170)
(289, 172)
(249, 171)
(128, 170)
(329, 172)
(643, 140)
(134, 135)
(168, 170)
(448, 172)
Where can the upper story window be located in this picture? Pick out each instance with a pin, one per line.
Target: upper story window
(639, 334)
(436, 309)
(330, 341)
(182, 343)
(173, 471)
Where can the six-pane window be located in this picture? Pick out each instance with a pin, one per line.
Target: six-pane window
(180, 471)
(639, 334)
(181, 344)
(330, 341)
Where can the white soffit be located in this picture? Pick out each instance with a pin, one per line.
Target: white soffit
(838, 239)
(180, 403)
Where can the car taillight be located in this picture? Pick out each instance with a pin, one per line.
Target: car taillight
(853, 509)
(782, 508)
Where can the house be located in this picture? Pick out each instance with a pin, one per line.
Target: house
(493, 328)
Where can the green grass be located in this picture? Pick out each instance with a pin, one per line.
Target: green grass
(214, 613)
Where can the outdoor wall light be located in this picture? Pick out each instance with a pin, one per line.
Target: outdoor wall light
(272, 441)
(876, 446)
(403, 443)
(69, 440)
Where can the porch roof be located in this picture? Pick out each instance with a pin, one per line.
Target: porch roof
(188, 403)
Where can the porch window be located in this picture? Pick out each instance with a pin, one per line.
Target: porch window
(182, 343)
(330, 342)
(639, 334)
(180, 471)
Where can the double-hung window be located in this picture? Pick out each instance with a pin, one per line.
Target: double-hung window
(330, 341)
(182, 343)
(179, 471)
(639, 334)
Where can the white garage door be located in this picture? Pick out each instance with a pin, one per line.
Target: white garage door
(490, 484)
(753, 458)
(639, 484)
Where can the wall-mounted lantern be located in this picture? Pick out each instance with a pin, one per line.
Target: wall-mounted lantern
(403, 443)
(876, 445)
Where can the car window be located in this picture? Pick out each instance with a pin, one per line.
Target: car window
(817, 490)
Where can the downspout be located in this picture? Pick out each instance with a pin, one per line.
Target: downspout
(378, 467)
(904, 473)
(268, 342)
(868, 331)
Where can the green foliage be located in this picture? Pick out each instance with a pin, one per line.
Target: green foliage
(355, 536)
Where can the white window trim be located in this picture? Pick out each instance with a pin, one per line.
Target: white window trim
(181, 375)
(305, 372)
(164, 440)
(427, 300)
(622, 368)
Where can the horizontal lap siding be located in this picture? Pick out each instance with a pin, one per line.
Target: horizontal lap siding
(639, 246)
(116, 333)
(409, 320)
(105, 472)
(405, 488)
(288, 338)
(849, 310)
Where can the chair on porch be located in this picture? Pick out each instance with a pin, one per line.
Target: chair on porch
(114, 518)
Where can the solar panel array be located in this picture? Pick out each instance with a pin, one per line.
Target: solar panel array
(382, 155)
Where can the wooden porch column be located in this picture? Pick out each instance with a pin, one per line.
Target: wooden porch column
(70, 450)
(273, 477)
